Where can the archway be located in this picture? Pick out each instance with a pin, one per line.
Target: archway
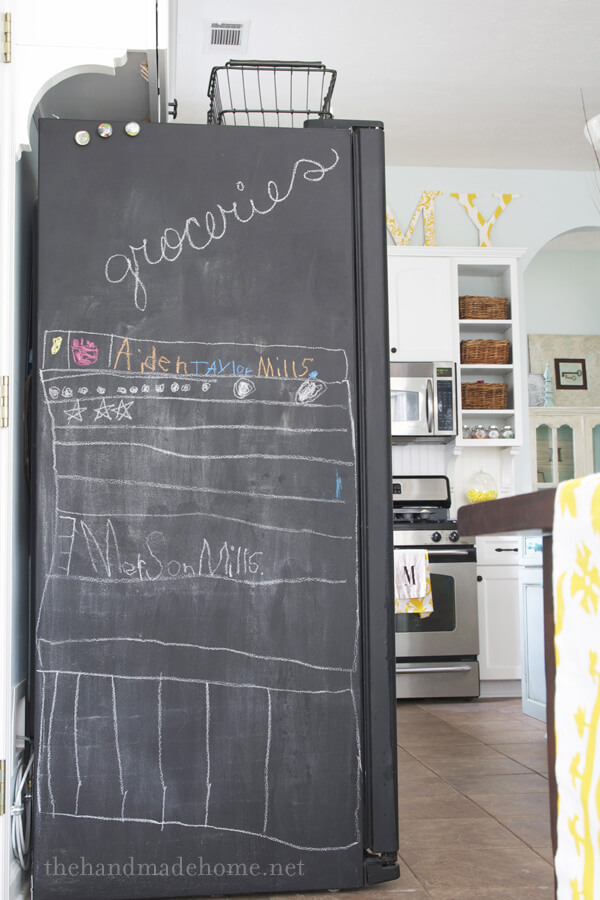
(562, 318)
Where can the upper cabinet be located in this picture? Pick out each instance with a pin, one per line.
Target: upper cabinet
(422, 320)
(428, 321)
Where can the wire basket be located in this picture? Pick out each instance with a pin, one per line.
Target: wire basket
(279, 94)
(483, 307)
(482, 395)
(484, 352)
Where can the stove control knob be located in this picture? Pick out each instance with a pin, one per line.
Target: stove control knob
(436, 537)
(453, 536)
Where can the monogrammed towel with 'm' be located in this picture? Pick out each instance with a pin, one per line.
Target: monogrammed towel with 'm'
(412, 582)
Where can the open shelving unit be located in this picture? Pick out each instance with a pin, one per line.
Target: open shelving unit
(490, 277)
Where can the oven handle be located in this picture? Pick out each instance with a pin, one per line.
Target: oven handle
(411, 671)
(447, 551)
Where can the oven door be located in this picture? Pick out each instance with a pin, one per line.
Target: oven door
(412, 406)
(452, 628)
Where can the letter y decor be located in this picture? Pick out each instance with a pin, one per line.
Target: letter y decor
(483, 226)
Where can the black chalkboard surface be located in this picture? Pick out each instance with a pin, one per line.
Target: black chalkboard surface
(213, 695)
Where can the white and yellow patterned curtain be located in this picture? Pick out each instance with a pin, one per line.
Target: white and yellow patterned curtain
(576, 585)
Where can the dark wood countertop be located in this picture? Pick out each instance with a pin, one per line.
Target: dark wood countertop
(523, 512)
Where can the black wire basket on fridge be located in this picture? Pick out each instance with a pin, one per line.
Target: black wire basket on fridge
(259, 92)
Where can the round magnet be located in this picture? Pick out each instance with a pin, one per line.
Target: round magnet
(132, 129)
(104, 129)
(82, 138)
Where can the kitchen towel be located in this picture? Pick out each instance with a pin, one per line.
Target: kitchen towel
(412, 582)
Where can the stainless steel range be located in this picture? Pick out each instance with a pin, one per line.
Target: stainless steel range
(436, 656)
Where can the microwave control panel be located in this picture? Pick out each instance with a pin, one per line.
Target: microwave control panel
(444, 376)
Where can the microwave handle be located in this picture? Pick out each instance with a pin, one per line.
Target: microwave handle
(429, 405)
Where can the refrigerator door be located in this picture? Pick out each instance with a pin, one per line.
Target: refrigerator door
(214, 675)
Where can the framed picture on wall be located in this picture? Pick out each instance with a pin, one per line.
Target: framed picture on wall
(570, 374)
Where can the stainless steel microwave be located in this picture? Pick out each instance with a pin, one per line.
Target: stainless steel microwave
(423, 400)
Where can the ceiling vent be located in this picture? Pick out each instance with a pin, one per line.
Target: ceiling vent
(227, 36)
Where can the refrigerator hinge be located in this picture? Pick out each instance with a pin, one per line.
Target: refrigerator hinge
(7, 28)
(4, 402)
(381, 867)
(2, 786)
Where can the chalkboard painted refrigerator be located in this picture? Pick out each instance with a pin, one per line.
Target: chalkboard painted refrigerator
(213, 649)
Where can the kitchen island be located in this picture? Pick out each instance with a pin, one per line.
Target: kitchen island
(530, 513)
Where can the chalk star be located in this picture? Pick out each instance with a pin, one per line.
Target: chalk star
(104, 410)
(75, 413)
(122, 410)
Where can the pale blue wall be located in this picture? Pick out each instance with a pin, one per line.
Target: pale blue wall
(562, 292)
(550, 204)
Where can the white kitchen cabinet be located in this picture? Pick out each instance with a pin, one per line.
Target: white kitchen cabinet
(532, 642)
(499, 614)
(422, 318)
(565, 443)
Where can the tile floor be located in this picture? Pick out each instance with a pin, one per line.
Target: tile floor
(473, 803)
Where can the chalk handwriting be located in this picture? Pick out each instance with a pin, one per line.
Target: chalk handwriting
(187, 472)
(232, 561)
(152, 562)
(125, 358)
(122, 266)
(267, 367)
(180, 359)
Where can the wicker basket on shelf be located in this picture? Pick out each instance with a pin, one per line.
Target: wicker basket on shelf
(484, 352)
(482, 395)
(483, 307)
